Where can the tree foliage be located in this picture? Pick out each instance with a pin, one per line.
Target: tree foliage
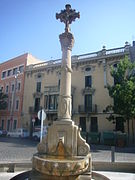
(123, 93)
(123, 90)
(3, 101)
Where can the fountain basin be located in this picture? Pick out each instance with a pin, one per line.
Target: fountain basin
(60, 165)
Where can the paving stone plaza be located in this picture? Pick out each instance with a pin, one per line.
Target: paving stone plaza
(21, 150)
(14, 149)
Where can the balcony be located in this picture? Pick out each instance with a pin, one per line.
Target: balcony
(51, 89)
(88, 90)
(33, 110)
(55, 90)
(37, 94)
(51, 110)
(89, 109)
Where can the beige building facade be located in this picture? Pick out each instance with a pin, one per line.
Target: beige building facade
(90, 77)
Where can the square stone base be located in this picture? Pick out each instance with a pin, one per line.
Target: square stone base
(65, 130)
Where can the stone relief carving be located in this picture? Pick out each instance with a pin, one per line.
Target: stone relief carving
(83, 148)
(67, 68)
(42, 146)
(64, 107)
(67, 41)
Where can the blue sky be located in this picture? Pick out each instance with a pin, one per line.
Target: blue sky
(31, 26)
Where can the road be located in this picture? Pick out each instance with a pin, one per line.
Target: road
(16, 149)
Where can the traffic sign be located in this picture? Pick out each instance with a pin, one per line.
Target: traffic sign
(41, 115)
(33, 120)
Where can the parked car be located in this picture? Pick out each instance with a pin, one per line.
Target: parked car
(3, 132)
(20, 132)
(36, 134)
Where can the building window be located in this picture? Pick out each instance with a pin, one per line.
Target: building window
(12, 87)
(115, 66)
(17, 105)
(88, 81)
(21, 69)
(94, 124)
(15, 124)
(88, 69)
(119, 124)
(9, 72)
(1, 88)
(116, 81)
(38, 89)
(8, 124)
(53, 102)
(9, 105)
(83, 123)
(39, 76)
(18, 86)
(37, 105)
(2, 124)
(59, 83)
(88, 103)
(4, 74)
(14, 71)
(46, 102)
(7, 88)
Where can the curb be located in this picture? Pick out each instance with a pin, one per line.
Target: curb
(128, 167)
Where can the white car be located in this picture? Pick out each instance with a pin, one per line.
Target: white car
(20, 132)
(36, 135)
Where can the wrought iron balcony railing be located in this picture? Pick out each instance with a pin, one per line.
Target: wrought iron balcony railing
(88, 109)
(33, 109)
(55, 90)
(88, 90)
(37, 94)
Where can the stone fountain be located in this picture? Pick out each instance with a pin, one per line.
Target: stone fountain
(63, 153)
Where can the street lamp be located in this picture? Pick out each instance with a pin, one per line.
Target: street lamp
(13, 99)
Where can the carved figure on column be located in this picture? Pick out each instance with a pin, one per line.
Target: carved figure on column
(66, 40)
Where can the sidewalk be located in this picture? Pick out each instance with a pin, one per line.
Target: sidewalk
(103, 153)
(118, 175)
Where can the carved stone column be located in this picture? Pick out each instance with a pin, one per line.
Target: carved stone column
(64, 106)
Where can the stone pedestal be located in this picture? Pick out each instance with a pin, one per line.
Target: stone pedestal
(66, 131)
(70, 134)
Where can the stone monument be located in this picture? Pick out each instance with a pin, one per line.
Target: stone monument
(63, 153)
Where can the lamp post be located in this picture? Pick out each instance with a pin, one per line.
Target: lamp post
(13, 100)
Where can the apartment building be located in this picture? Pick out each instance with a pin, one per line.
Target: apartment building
(90, 76)
(12, 83)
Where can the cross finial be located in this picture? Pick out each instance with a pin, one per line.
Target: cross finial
(67, 16)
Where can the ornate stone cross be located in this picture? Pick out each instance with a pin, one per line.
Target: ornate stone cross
(67, 41)
(67, 16)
